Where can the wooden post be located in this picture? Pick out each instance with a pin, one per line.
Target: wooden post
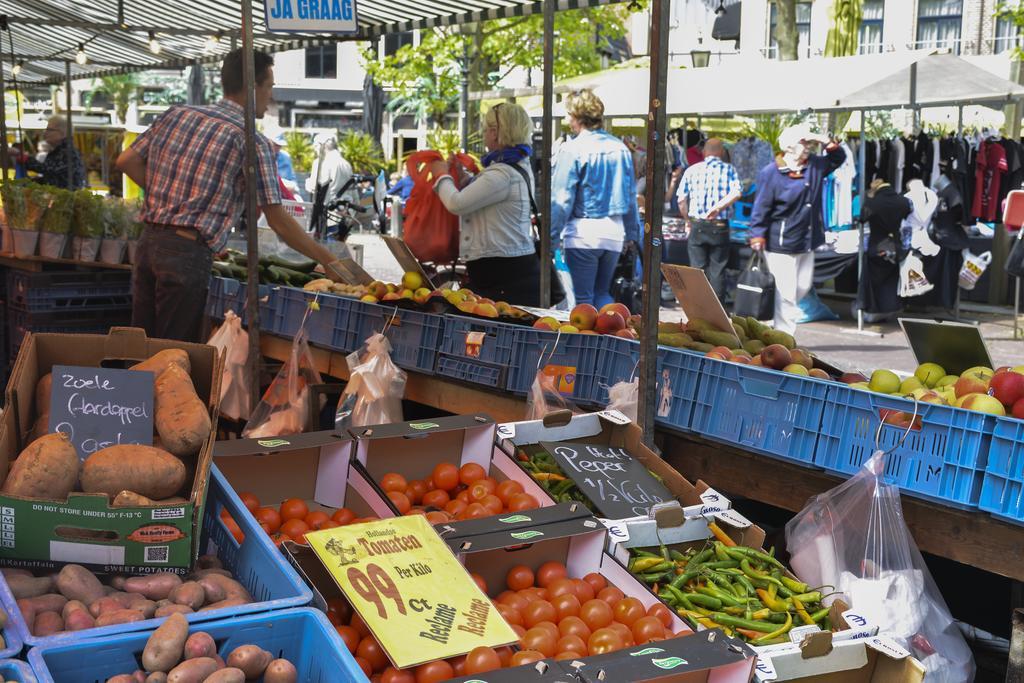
(252, 308)
(71, 128)
(544, 191)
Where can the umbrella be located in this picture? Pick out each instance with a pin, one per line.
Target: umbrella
(196, 84)
(373, 107)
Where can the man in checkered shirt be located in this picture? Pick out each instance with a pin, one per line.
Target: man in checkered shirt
(705, 194)
(190, 163)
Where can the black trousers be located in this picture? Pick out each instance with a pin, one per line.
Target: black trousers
(513, 279)
(708, 249)
(170, 281)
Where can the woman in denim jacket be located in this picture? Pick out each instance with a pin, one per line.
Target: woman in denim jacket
(593, 200)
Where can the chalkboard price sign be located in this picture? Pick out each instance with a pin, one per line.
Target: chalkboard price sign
(101, 407)
(619, 485)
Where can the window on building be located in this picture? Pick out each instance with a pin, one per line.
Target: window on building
(1007, 35)
(393, 42)
(938, 23)
(803, 29)
(322, 61)
(871, 26)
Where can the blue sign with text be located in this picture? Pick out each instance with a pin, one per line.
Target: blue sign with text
(311, 16)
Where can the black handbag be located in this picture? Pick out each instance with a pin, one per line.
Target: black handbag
(626, 287)
(556, 290)
(755, 290)
(1015, 261)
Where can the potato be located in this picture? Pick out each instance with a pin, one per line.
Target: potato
(130, 499)
(41, 427)
(110, 603)
(168, 610)
(3, 618)
(209, 562)
(156, 677)
(8, 572)
(79, 620)
(228, 675)
(193, 670)
(47, 623)
(230, 602)
(43, 388)
(200, 644)
(148, 471)
(76, 582)
(154, 586)
(122, 678)
(280, 671)
(160, 361)
(251, 659)
(223, 586)
(29, 586)
(147, 607)
(51, 602)
(200, 573)
(181, 419)
(117, 582)
(121, 616)
(73, 606)
(164, 648)
(189, 593)
(48, 468)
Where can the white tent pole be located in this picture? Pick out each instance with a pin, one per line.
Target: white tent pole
(862, 164)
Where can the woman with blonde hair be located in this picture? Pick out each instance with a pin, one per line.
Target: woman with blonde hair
(496, 238)
(593, 200)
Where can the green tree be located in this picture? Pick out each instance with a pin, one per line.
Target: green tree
(786, 35)
(121, 89)
(362, 151)
(300, 149)
(843, 40)
(1014, 11)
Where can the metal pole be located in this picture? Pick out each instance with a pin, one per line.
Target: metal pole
(251, 231)
(654, 204)
(960, 120)
(464, 100)
(544, 193)
(5, 160)
(71, 128)
(862, 154)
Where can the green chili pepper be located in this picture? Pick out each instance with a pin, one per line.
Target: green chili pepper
(704, 600)
(683, 578)
(749, 624)
(699, 558)
(727, 599)
(813, 596)
(797, 587)
(677, 556)
(819, 615)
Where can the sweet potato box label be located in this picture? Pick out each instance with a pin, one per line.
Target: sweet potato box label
(409, 588)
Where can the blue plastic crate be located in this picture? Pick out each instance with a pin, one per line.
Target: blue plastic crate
(475, 350)
(12, 639)
(68, 291)
(331, 327)
(1002, 491)
(256, 563)
(302, 636)
(942, 459)
(16, 670)
(226, 294)
(571, 357)
(414, 335)
(770, 412)
(96, 321)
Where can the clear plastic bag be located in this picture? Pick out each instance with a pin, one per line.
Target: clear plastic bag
(284, 408)
(375, 387)
(854, 538)
(233, 341)
(544, 397)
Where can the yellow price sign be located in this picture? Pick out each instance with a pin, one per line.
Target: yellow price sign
(412, 592)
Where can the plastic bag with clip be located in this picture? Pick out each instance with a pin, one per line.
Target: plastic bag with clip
(233, 341)
(375, 387)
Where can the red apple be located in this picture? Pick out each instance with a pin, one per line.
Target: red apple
(1018, 409)
(819, 373)
(626, 333)
(802, 357)
(970, 384)
(618, 308)
(611, 322)
(489, 311)
(546, 323)
(852, 378)
(1008, 387)
(716, 355)
(583, 317)
(776, 356)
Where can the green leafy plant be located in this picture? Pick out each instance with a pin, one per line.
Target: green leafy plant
(1014, 11)
(57, 218)
(768, 127)
(89, 214)
(12, 194)
(879, 126)
(300, 149)
(448, 141)
(122, 89)
(362, 151)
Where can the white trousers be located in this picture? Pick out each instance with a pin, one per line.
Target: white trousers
(794, 278)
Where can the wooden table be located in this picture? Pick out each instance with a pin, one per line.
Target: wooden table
(37, 263)
(973, 538)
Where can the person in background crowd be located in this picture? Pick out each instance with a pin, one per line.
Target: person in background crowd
(53, 169)
(787, 221)
(593, 200)
(401, 186)
(190, 163)
(706, 193)
(496, 236)
(884, 210)
(285, 171)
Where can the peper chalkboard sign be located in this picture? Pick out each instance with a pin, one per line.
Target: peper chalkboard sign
(101, 407)
(619, 485)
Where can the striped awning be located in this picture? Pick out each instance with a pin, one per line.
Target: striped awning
(44, 34)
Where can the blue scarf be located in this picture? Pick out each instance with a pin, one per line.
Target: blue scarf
(508, 155)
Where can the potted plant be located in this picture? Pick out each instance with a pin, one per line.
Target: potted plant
(23, 208)
(133, 228)
(87, 230)
(114, 231)
(56, 223)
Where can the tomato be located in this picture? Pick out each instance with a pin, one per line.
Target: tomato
(470, 473)
(392, 481)
(533, 593)
(489, 483)
(522, 501)
(359, 625)
(505, 655)
(418, 489)
(479, 491)
(507, 489)
(514, 600)
(519, 630)
(458, 664)
(571, 643)
(566, 656)
(235, 530)
(574, 626)
(329, 524)
(510, 614)
(538, 611)
(294, 527)
(400, 500)
(596, 581)
(604, 640)
(550, 628)
(610, 594)
(596, 614)
(393, 675)
(365, 666)
(316, 518)
(525, 657)
(294, 508)
(438, 517)
(646, 628)
(436, 498)
(662, 612)
(349, 636)
(624, 633)
(539, 639)
(566, 605)
(340, 609)
(250, 500)
(480, 582)
(492, 504)
(475, 511)
(343, 516)
(628, 610)
(464, 497)
(270, 517)
(560, 587)
(548, 572)
(280, 538)
(370, 650)
(583, 590)
(434, 672)
(481, 660)
(519, 577)
(455, 507)
(445, 476)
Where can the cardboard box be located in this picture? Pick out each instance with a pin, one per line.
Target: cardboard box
(84, 529)
(544, 671)
(414, 448)
(876, 659)
(566, 533)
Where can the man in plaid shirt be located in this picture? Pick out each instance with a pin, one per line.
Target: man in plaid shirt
(705, 193)
(190, 163)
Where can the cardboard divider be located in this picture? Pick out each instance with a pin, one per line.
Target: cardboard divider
(408, 262)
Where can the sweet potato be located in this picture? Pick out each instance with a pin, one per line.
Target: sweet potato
(79, 620)
(121, 616)
(117, 582)
(148, 471)
(147, 607)
(109, 603)
(251, 659)
(209, 562)
(73, 606)
(228, 675)
(164, 648)
(164, 359)
(189, 593)
(76, 582)
(200, 644)
(168, 610)
(51, 602)
(41, 427)
(221, 604)
(220, 587)
(182, 420)
(280, 671)
(48, 468)
(200, 573)
(130, 499)
(47, 623)
(122, 678)
(43, 388)
(154, 586)
(8, 572)
(193, 670)
(156, 677)
(29, 586)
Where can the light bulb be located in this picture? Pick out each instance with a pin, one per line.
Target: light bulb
(154, 44)
(16, 69)
(80, 56)
(721, 11)
(212, 43)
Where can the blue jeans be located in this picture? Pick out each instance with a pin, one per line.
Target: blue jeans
(592, 271)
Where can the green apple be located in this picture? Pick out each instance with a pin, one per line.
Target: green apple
(908, 385)
(863, 386)
(978, 371)
(884, 382)
(947, 381)
(796, 369)
(929, 374)
(983, 403)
